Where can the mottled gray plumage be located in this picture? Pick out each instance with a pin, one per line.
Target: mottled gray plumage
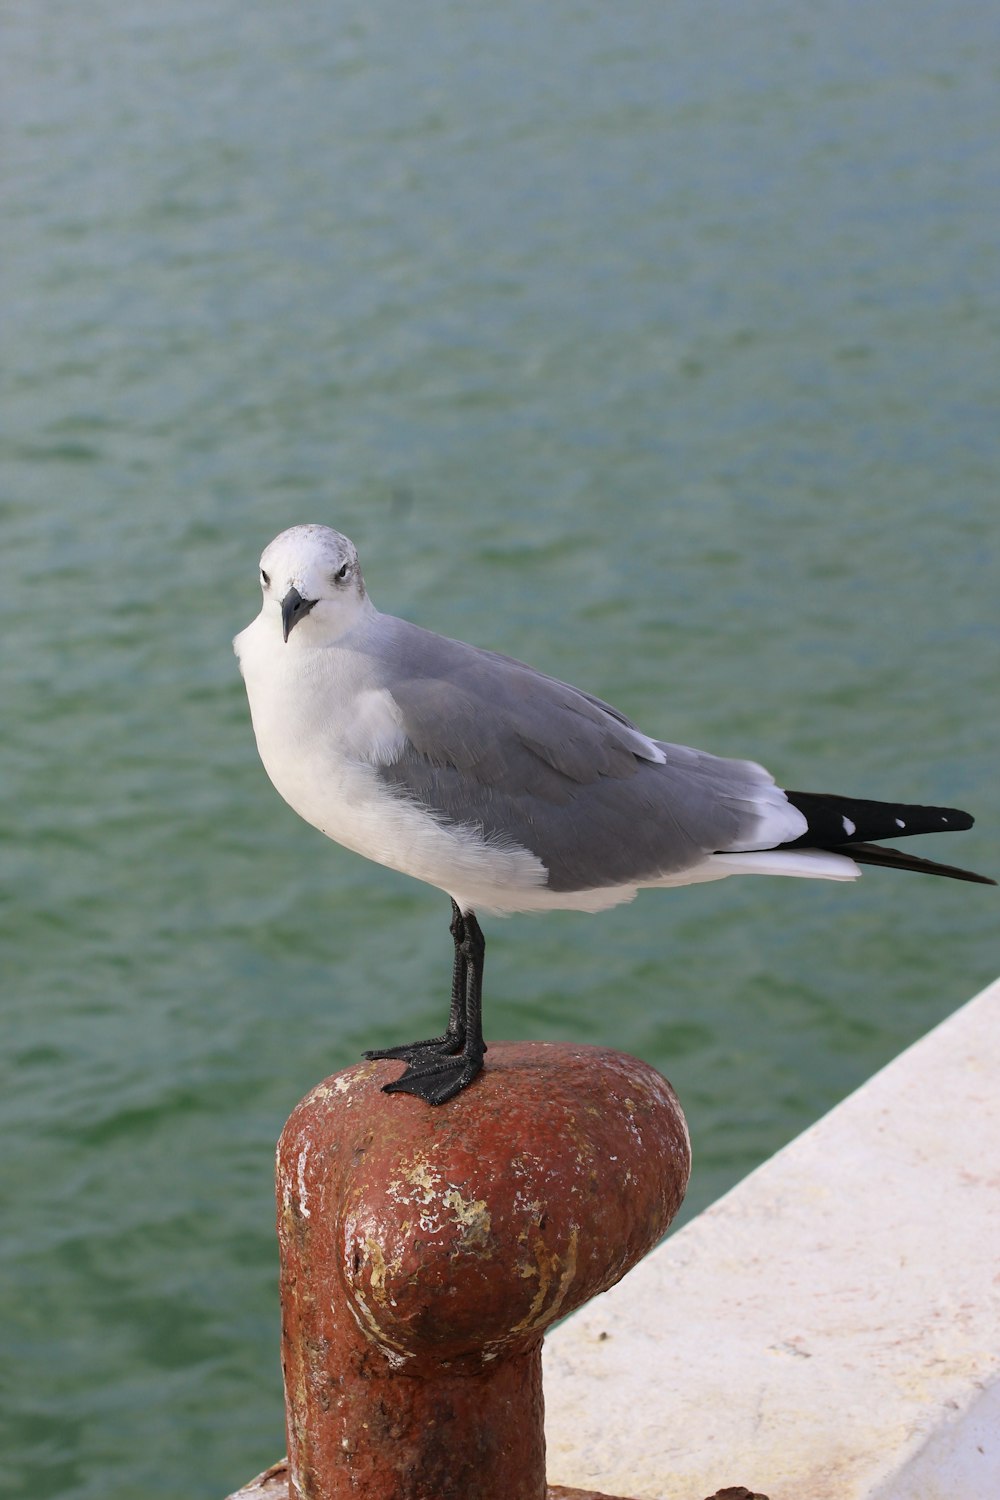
(494, 744)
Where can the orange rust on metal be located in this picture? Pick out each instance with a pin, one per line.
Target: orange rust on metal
(424, 1252)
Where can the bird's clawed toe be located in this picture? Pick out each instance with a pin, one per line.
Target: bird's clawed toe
(417, 1052)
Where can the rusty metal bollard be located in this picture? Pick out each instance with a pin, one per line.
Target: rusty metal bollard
(424, 1251)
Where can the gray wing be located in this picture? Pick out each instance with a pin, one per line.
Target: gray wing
(528, 760)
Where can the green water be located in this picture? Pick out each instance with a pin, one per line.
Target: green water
(655, 344)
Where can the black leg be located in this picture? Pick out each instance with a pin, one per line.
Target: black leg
(453, 1037)
(459, 980)
(441, 1072)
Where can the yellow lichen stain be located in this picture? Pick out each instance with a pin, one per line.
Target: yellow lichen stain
(379, 1269)
(342, 1084)
(553, 1270)
(473, 1220)
(416, 1183)
(370, 1326)
(528, 1268)
(377, 1261)
(363, 1314)
(419, 1184)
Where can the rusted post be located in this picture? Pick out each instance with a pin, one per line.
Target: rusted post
(424, 1251)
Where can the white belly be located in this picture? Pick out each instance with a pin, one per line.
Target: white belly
(318, 752)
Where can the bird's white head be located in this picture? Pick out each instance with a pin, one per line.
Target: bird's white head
(311, 581)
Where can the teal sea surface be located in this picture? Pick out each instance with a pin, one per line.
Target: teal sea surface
(658, 345)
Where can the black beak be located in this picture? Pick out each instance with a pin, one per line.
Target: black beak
(293, 609)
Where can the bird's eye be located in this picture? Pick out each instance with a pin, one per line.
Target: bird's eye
(264, 578)
(341, 573)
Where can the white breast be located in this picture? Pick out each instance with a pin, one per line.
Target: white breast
(321, 733)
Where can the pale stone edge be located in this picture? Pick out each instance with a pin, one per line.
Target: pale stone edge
(830, 1328)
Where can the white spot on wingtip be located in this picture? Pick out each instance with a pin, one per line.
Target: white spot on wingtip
(900, 823)
(849, 827)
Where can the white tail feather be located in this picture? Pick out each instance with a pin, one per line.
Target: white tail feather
(810, 864)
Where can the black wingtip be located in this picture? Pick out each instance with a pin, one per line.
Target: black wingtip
(850, 825)
(834, 821)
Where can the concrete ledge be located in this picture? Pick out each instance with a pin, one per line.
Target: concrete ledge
(829, 1330)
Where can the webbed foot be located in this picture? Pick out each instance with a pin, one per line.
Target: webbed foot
(436, 1079)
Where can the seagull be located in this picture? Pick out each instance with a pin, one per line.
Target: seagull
(507, 789)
